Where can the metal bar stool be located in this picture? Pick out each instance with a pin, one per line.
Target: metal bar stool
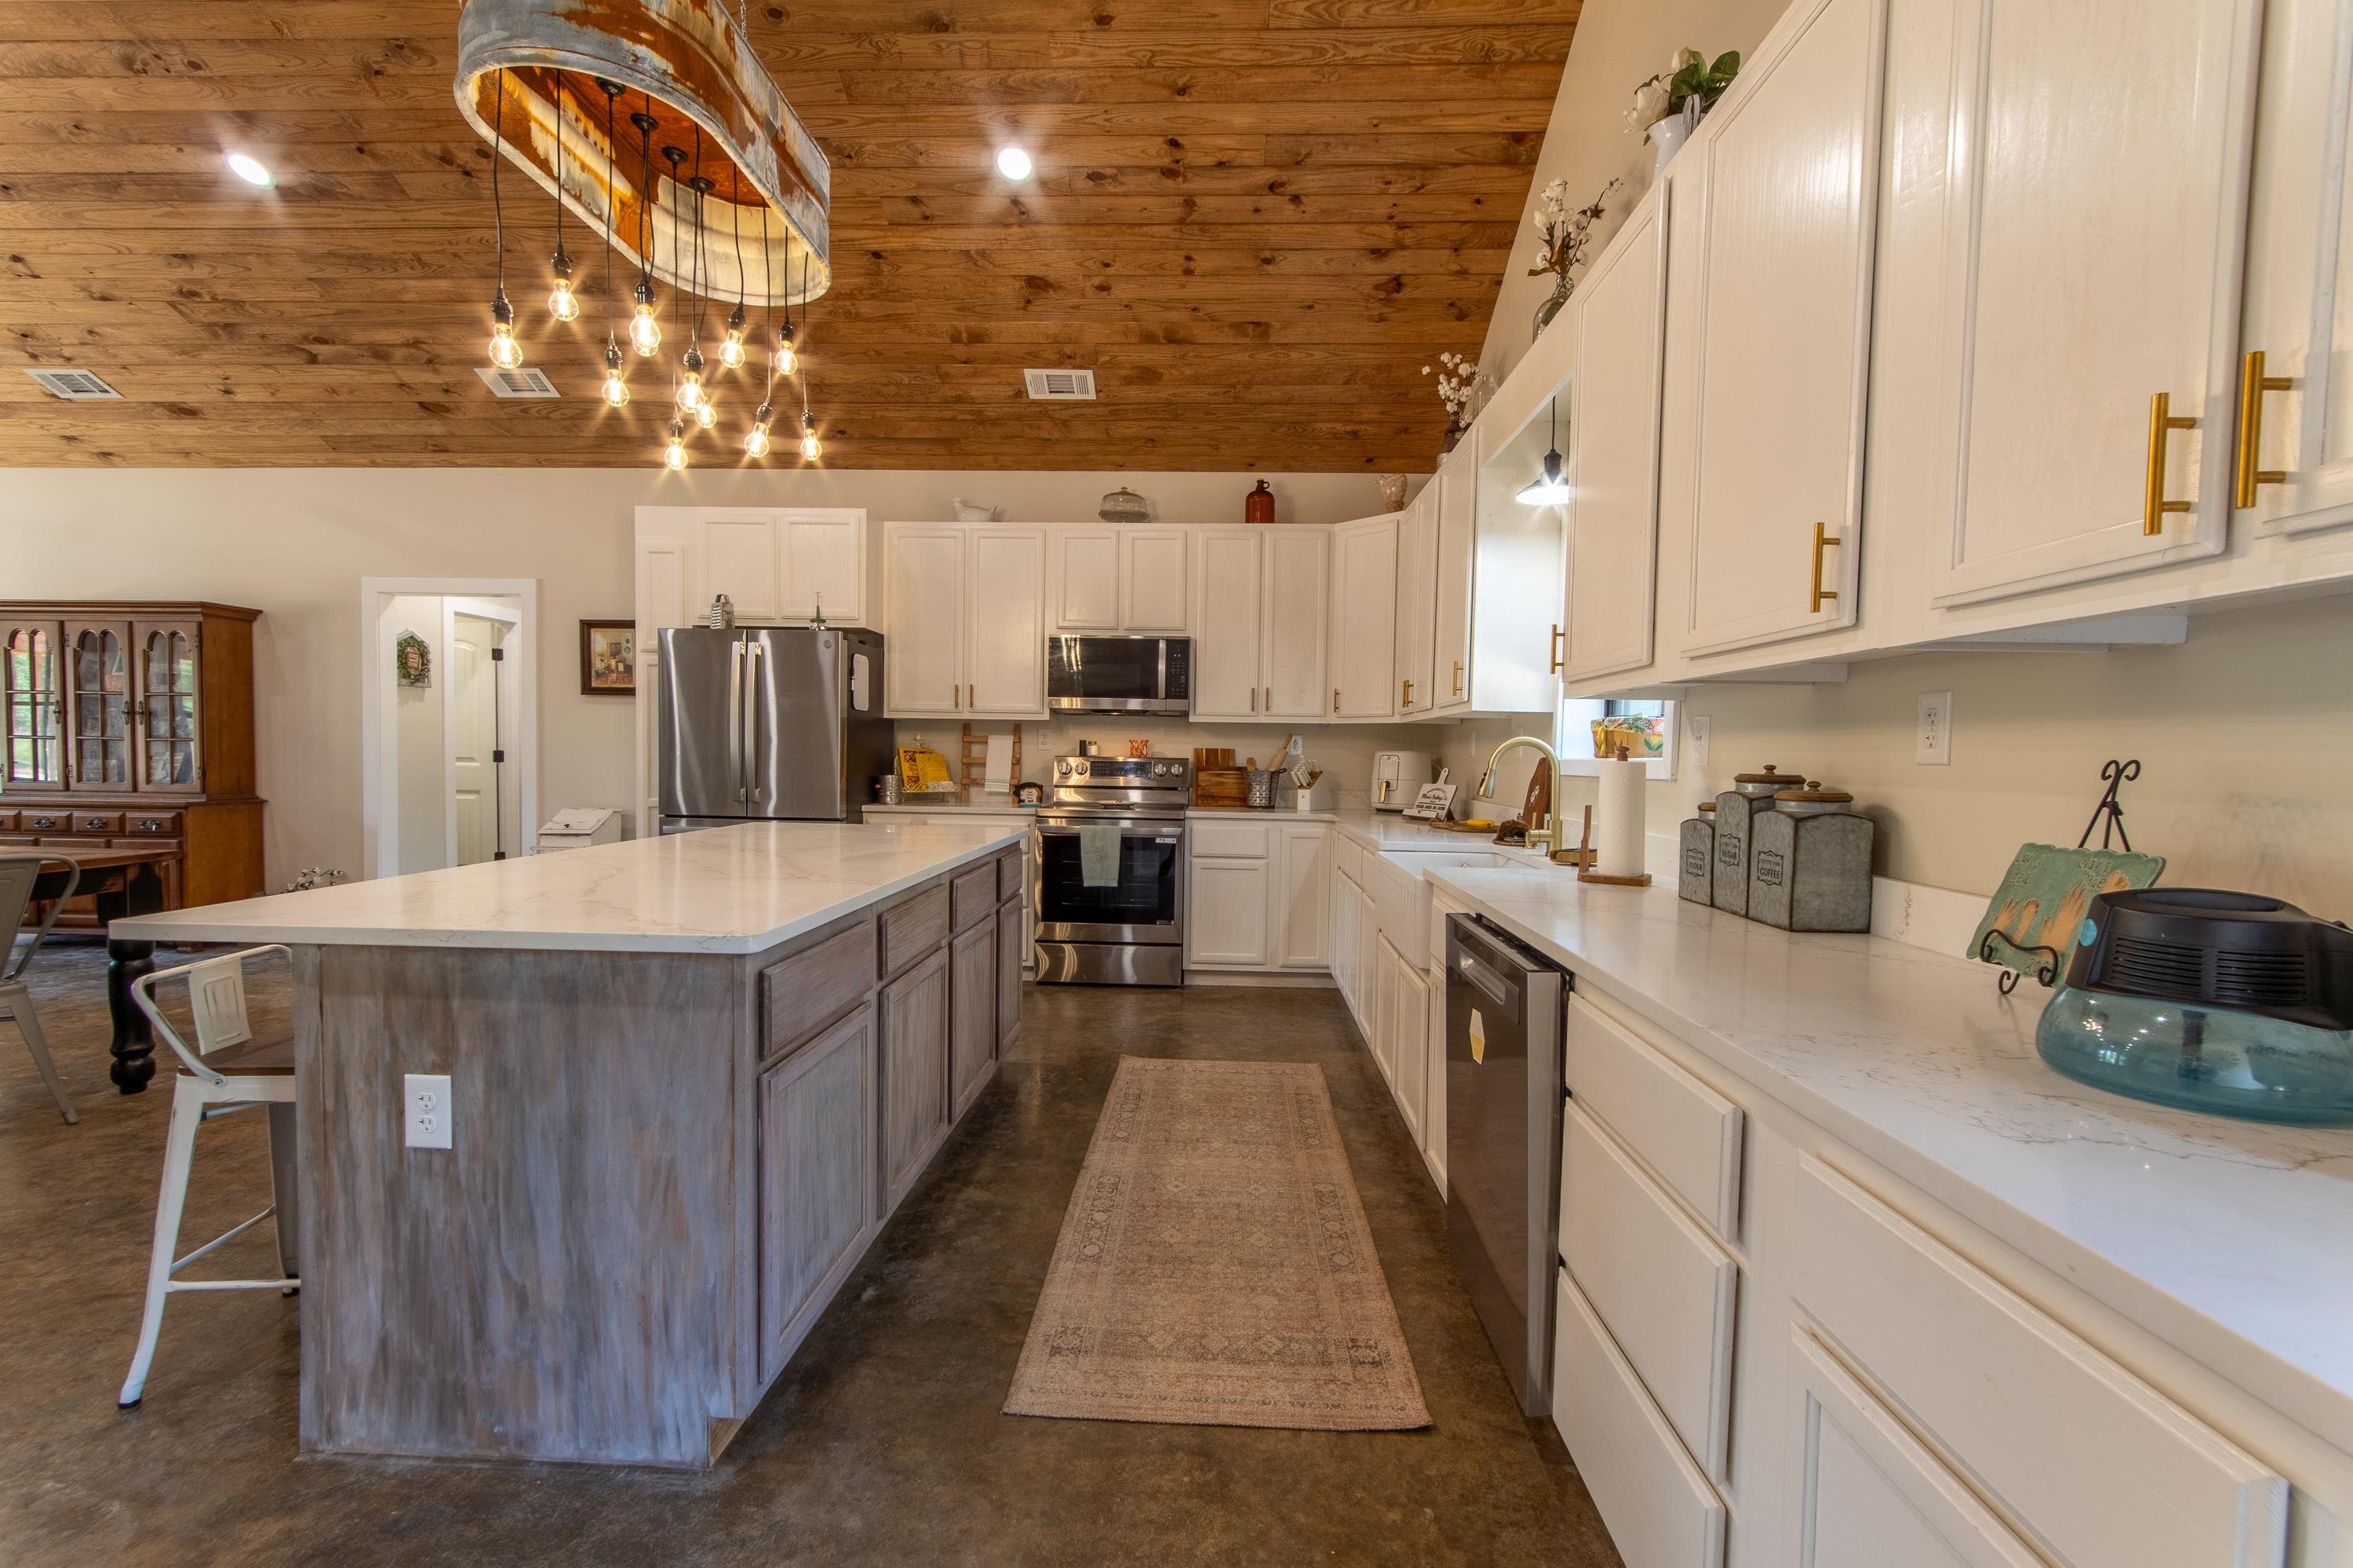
(17, 875)
(228, 1071)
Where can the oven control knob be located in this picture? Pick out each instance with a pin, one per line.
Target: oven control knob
(1065, 766)
(1160, 769)
(1082, 766)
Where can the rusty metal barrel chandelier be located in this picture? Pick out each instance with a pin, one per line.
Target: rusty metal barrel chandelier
(654, 124)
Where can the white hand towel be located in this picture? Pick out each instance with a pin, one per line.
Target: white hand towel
(996, 774)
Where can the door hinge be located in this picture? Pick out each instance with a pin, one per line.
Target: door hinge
(498, 655)
(498, 854)
(498, 756)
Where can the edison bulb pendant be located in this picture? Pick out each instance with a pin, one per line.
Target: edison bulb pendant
(561, 303)
(731, 350)
(614, 392)
(706, 414)
(690, 393)
(789, 362)
(505, 353)
(674, 455)
(645, 326)
(810, 448)
(755, 445)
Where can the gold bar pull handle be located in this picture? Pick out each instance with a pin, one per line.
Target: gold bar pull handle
(2253, 385)
(1818, 595)
(2162, 423)
(1405, 695)
(1335, 699)
(1458, 678)
(1556, 649)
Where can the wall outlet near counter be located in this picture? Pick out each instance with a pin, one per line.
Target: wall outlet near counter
(1933, 746)
(1697, 725)
(425, 1096)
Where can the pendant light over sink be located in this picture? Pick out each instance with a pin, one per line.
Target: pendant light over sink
(1551, 487)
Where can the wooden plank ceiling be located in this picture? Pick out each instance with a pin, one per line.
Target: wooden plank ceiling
(1255, 220)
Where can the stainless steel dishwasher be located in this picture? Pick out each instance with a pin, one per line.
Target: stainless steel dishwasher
(1504, 1013)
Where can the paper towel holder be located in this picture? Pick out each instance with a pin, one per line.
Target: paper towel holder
(1585, 872)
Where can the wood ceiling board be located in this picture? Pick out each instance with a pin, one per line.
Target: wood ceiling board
(1255, 219)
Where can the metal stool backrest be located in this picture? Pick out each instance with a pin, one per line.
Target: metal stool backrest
(18, 873)
(216, 1000)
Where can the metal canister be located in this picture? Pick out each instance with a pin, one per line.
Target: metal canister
(1810, 862)
(1695, 876)
(1735, 808)
(886, 789)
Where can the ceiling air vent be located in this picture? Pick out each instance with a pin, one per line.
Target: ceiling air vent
(517, 383)
(1061, 385)
(72, 385)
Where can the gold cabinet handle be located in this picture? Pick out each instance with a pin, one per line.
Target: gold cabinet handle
(1823, 539)
(2162, 423)
(957, 692)
(1458, 678)
(2253, 385)
(1405, 695)
(1254, 698)
(1335, 699)
(1554, 649)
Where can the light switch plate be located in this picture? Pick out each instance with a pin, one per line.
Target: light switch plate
(426, 1096)
(1697, 723)
(1934, 744)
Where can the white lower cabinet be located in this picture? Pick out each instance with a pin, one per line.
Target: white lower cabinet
(1226, 925)
(1300, 913)
(1400, 1033)
(1257, 895)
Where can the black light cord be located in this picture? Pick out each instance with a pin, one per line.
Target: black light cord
(498, 219)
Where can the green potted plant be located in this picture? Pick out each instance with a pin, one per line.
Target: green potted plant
(1669, 105)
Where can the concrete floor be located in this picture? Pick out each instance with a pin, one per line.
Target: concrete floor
(881, 1444)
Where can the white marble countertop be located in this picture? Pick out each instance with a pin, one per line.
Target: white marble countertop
(2231, 1240)
(725, 889)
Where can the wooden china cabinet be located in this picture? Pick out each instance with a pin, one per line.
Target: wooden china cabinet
(128, 726)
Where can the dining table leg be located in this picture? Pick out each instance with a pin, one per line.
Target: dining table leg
(133, 1045)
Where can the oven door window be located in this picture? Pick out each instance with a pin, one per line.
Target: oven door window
(1110, 668)
(1146, 894)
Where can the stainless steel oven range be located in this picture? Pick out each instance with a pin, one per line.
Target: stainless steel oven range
(1110, 893)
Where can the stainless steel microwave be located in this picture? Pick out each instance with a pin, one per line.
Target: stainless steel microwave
(1119, 675)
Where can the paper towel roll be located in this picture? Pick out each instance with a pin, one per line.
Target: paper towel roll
(1618, 828)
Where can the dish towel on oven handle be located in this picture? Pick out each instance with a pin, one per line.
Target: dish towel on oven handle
(1098, 854)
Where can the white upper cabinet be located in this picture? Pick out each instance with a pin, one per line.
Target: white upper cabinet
(2292, 456)
(1296, 618)
(1455, 485)
(923, 594)
(1612, 531)
(1005, 623)
(2094, 245)
(1366, 630)
(1417, 603)
(1788, 164)
(1084, 579)
(774, 564)
(740, 552)
(1230, 576)
(1155, 579)
(825, 566)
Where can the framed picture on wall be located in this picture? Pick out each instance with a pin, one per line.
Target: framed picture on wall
(608, 659)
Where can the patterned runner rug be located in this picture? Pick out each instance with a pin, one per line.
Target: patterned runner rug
(1214, 1268)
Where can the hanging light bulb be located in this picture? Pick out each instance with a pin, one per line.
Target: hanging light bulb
(645, 326)
(561, 303)
(505, 353)
(810, 448)
(674, 455)
(706, 414)
(755, 445)
(690, 388)
(731, 353)
(1551, 487)
(789, 362)
(614, 392)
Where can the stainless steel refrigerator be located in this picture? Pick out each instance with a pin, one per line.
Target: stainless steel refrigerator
(769, 723)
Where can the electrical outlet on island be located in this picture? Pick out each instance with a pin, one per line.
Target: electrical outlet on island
(426, 1098)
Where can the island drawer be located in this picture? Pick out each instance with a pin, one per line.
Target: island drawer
(158, 824)
(98, 822)
(974, 893)
(914, 926)
(802, 993)
(1686, 1134)
(44, 822)
(1008, 874)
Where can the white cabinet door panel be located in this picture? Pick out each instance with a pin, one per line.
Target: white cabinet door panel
(1364, 619)
(1295, 661)
(1155, 579)
(1791, 162)
(1004, 624)
(1226, 914)
(1613, 513)
(740, 552)
(1417, 602)
(1085, 579)
(1228, 572)
(924, 593)
(825, 566)
(1301, 889)
(2095, 261)
(1457, 486)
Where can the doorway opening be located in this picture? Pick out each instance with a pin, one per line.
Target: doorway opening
(449, 723)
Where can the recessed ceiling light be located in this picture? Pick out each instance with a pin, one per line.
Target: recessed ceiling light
(1013, 163)
(247, 169)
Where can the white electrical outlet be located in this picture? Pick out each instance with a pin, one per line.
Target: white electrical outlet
(1697, 723)
(1934, 744)
(426, 1096)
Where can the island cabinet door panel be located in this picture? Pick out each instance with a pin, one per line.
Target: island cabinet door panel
(1012, 939)
(1365, 619)
(924, 571)
(817, 1179)
(1790, 163)
(972, 1013)
(914, 1073)
(1228, 569)
(2095, 230)
(1298, 613)
(1004, 624)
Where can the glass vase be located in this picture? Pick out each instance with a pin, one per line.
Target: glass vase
(1551, 307)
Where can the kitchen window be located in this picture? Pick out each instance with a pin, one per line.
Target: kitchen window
(1646, 728)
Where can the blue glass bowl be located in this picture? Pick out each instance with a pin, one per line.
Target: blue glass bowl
(2200, 1059)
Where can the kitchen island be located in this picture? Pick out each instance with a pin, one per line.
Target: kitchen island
(690, 1077)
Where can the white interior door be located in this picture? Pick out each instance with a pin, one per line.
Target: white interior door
(2097, 221)
(1296, 627)
(1612, 517)
(923, 577)
(1229, 569)
(2299, 301)
(1790, 165)
(1457, 485)
(1005, 623)
(472, 714)
(1365, 619)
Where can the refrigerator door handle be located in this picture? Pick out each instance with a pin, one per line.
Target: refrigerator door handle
(755, 765)
(735, 717)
